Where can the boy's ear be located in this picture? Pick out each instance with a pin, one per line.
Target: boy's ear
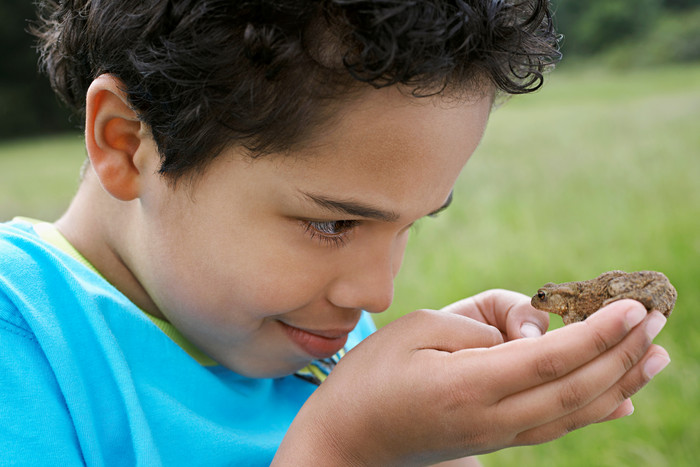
(112, 137)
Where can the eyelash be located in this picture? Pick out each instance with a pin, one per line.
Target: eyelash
(319, 231)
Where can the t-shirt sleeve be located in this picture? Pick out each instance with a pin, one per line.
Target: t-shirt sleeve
(364, 328)
(35, 425)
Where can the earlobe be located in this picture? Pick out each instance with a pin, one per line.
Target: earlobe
(112, 137)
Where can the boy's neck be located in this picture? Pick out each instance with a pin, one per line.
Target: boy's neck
(97, 225)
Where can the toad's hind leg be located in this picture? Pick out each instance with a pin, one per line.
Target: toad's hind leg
(644, 297)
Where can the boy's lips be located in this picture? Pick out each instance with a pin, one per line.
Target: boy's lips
(318, 344)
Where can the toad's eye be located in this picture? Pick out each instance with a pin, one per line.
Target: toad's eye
(541, 294)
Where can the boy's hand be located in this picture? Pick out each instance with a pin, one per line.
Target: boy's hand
(435, 385)
(510, 312)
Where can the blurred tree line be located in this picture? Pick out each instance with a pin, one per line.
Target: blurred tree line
(642, 31)
(27, 103)
(594, 26)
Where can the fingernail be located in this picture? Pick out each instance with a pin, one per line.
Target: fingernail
(635, 315)
(530, 330)
(655, 364)
(655, 324)
(629, 406)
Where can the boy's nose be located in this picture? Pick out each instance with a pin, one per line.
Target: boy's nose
(369, 283)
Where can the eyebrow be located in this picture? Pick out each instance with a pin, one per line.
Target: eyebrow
(354, 208)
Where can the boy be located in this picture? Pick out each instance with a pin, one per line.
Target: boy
(253, 171)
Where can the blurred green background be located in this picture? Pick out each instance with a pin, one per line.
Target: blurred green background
(599, 170)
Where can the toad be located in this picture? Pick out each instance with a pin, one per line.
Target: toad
(576, 301)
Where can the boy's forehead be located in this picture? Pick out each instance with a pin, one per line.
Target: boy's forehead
(393, 119)
(382, 152)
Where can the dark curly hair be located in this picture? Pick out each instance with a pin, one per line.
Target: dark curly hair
(203, 74)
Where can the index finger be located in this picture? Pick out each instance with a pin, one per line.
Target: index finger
(525, 363)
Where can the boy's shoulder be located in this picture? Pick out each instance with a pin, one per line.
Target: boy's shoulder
(27, 247)
(15, 230)
(26, 259)
(19, 242)
(38, 281)
(20, 252)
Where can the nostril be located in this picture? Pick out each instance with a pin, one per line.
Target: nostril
(371, 295)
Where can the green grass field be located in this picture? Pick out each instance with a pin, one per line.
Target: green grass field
(598, 171)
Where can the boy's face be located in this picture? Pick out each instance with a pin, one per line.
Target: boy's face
(266, 264)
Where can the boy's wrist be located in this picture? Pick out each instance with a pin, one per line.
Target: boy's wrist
(314, 442)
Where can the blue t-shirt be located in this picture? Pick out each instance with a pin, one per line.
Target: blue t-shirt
(87, 378)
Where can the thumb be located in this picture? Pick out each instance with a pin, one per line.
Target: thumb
(448, 332)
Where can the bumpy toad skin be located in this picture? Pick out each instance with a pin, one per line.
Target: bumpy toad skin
(575, 301)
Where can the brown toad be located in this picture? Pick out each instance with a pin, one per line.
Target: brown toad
(575, 301)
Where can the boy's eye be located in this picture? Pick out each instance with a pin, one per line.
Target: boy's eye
(330, 232)
(333, 227)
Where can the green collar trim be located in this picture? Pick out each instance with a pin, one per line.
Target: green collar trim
(51, 235)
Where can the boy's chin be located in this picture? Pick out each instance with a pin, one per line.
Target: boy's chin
(266, 370)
